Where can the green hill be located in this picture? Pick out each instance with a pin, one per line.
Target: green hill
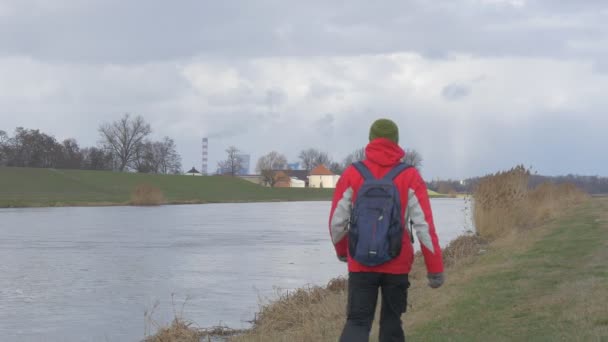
(28, 187)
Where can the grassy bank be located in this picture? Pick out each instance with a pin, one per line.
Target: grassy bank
(549, 283)
(545, 284)
(25, 187)
(535, 271)
(28, 187)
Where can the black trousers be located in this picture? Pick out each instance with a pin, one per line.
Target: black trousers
(362, 299)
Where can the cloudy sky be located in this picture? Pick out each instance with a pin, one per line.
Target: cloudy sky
(475, 85)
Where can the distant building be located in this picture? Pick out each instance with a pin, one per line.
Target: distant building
(291, 179)
(193, 172)
(322, 177)
(297, 183)
(293, 166)
(245, 164)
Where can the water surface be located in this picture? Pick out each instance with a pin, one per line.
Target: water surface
(89, 274)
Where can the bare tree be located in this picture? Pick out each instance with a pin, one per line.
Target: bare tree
(336, 167)
(144, 160)
(72, 156)
(96, 159)
(32, 148)
(157, 157)
(355, 156)
(233, 162)
(169, 160)
(3, 147)
(413, 158)
(308, 158)
(312, 158)
(323, 159)
(268, 165)
(123, 137)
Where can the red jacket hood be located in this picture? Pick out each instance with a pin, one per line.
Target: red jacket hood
(384, 152)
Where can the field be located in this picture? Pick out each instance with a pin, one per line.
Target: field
(26, 187)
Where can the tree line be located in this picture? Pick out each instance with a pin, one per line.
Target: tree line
(123, 146)
(270, 165)
(590, 184)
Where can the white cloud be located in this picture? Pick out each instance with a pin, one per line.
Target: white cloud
(468, 81)
(278, 103)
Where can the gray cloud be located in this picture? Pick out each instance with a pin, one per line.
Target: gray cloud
(281, 75)
(455, 91)
(137, 31)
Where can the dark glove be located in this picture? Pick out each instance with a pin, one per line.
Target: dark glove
(435, 280)
(343, 258)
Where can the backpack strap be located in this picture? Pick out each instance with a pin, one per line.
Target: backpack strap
(396, 171)
(363, 170)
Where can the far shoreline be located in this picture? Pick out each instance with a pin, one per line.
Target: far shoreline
(59, 204)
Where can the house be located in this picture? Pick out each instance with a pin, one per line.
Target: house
(322, 177)
(193, 172)
(291, 178)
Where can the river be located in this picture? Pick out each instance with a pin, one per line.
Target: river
(89, 274)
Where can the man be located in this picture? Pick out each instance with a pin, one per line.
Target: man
(383, 159)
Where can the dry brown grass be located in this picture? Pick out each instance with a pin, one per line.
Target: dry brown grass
(464, 246)
(503, 202)
(319, 313)
(147, 195)
(181, 330)
(178, 331)
(309, 314)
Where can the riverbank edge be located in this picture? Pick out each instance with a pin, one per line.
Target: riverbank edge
(468, 256)
(25, 204)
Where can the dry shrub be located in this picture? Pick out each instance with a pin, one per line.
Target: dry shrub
(178, 331)
(462, 247)
(181, 330)
(307, 314)
(146, 194)
(337, 284)
(503, 202)
(294, 307)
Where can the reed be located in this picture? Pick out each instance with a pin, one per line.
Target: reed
(147, 195)
(504, 202)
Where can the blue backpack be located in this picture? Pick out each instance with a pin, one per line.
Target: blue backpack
(376, 226)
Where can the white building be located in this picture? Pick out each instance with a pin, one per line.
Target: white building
(321, 177)
(297, 183)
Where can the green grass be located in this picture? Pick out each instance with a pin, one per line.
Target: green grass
(555, 290)
(27, 187)
(434, 193)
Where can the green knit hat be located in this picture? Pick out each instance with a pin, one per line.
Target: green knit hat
(384, 128)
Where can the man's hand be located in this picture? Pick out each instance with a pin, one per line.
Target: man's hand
(435, 280)
(343, 258)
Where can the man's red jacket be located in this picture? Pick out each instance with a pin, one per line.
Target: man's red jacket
(381, 156)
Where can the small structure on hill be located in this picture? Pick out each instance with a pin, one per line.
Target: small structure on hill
(193, 172)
